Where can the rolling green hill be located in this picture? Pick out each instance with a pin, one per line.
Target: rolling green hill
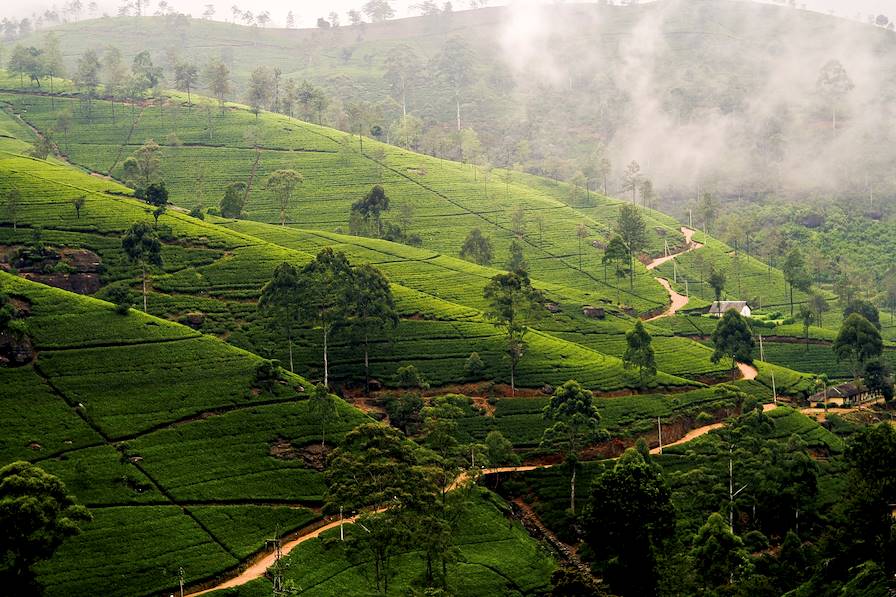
(106, 396)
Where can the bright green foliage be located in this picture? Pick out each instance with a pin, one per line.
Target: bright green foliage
(234, 200)
(633, 231)
(512, 305)
(410, 377)
(36, 515)
(639, 352)
(141, 244)
(473, 366)
(858, 342)
(142, 168)
(499, 450)
(282, 183)
(718, 553)
(12, 200)
(575, 423)
(477, 247)
(733, 339)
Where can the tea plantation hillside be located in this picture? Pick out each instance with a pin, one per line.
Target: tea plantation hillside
(204, 151)
(205, 275)
(164, 433)
(439, 296)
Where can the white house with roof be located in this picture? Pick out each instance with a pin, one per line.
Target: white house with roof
(719, 308)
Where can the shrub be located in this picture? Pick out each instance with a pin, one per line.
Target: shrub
(122, 299)
(267, 373)
(474, 365)
(196, 212)
(755, 541)
(410, 377)
(704, 418)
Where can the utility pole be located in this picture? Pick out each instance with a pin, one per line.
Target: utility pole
(180, 578)
(276, 570)
(761, 351)
(341, 524)
(731, 493)
(774, 390)
(659, 433)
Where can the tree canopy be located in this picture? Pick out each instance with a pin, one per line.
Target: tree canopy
(36, 515)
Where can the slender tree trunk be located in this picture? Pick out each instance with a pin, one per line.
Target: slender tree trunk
(52, 98)
(291, 368)
(572, 490)
(791, 299)
(366, 364)
(457, 103)
(326, 328)
(112, 99)
(144, 288)
(252, 174)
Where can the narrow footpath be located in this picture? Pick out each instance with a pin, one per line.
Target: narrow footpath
(678, 301)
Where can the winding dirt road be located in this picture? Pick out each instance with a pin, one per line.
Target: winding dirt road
(259, 567)
(689, 244)
(747, 371)
(678, 301)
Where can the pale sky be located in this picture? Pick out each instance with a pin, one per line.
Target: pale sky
(307, 11)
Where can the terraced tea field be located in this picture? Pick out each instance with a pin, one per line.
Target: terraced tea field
(101, 413)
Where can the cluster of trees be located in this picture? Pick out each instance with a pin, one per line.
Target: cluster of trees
(331, 295)
(408, 496)
(647, 530)
(269, 91)
(366, 219)
(37, 514)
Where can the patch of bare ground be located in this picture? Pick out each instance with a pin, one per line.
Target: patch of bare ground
(314, 455)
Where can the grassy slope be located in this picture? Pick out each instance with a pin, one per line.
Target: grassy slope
(448, 198)
(197, 270)
(495, 557)
(210, 272)
(128, 375)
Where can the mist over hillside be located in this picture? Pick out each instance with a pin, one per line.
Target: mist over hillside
(704, 95)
